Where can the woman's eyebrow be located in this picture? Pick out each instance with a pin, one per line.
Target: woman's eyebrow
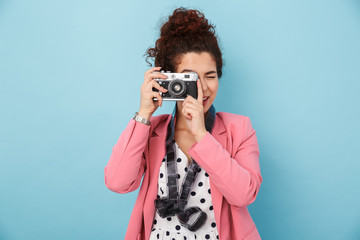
(210, 72)
(189, 70)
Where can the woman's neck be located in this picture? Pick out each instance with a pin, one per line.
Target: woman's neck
(180, 122)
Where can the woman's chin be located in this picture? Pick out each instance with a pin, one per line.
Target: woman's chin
(206, 109)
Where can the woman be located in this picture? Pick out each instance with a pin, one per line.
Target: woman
(200, 167)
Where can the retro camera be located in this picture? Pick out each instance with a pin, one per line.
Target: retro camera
(179, 86)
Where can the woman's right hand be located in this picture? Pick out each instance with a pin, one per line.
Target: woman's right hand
(147, 105)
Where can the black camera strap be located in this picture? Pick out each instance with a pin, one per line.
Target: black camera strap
(175, 204)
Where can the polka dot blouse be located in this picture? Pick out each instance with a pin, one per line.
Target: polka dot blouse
(200, 195)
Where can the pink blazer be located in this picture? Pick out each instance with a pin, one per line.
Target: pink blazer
(230, 155)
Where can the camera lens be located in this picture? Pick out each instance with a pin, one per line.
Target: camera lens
(177, 88)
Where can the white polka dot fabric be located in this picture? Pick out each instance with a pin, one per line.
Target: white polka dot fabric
(200, 196)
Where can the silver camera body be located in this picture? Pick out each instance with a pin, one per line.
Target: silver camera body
(179, 86)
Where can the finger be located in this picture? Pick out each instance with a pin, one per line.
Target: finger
(154, 76)
(190, 99)
(156, 103)
(158, 96)
(189, 102)
(148, 72)
(200, 92)
(154, 84)
(157, 75)
(186, 113)
(193, 109)
(153, 69)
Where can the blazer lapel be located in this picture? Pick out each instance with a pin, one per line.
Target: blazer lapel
(157, 145)
(219, 133)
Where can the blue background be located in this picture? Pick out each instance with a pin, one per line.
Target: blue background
(71, 73)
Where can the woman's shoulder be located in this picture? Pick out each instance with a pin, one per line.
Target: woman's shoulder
(156, 120)
(159, 123)
(232, 117)
(235, 122)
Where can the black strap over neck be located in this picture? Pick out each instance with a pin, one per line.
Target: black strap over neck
(209, 122)
(175, 204)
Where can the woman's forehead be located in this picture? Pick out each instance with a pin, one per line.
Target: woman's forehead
(202, 62)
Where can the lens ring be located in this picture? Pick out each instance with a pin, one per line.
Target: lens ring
(175, 84)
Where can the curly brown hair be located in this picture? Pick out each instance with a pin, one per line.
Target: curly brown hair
(187, 30)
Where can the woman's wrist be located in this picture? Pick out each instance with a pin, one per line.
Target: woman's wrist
(145, 115)
(140, 119)
(200, 136)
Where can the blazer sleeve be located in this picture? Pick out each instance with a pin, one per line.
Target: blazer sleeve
(237, 178)
(126, 166)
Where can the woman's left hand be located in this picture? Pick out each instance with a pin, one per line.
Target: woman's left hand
(193, 111)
